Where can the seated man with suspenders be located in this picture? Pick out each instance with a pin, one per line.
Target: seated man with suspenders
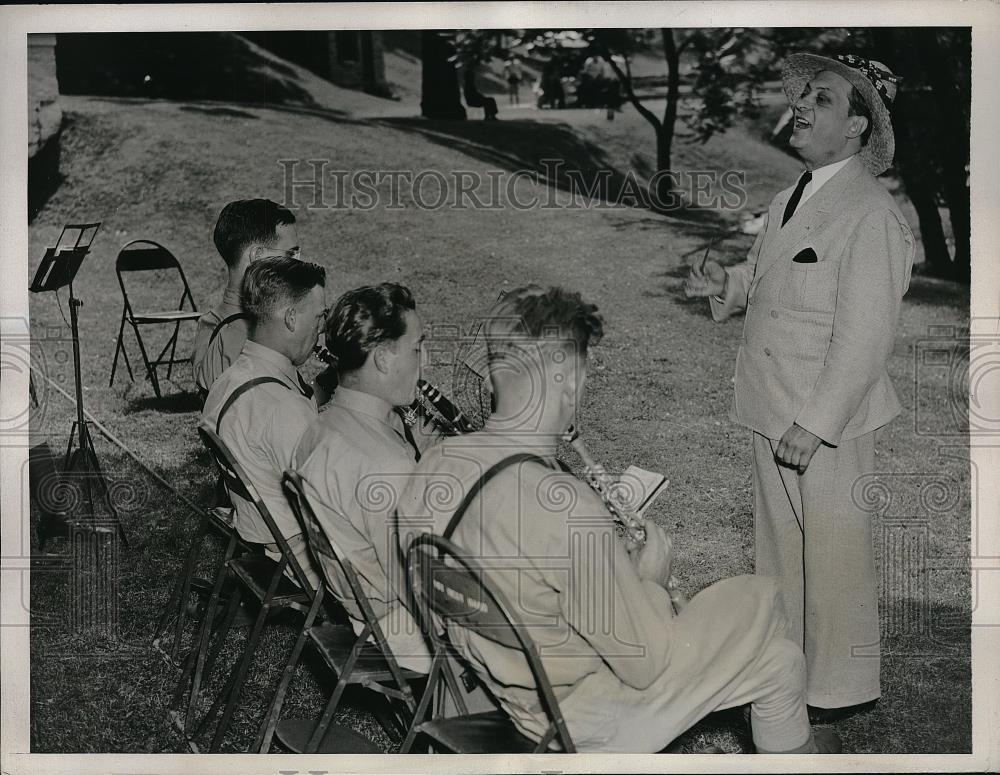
(247, 230)
(630, 675)
(260, 406)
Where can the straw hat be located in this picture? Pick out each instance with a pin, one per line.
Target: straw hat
(873, 80)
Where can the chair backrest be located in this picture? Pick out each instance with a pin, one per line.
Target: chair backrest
(448, 583)
(237, 483)
(143, 255)
(325, 555)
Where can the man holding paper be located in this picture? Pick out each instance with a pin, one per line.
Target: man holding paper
(629, 675)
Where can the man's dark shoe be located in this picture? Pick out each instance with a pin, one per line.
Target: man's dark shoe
(832, 715)
(827, 741)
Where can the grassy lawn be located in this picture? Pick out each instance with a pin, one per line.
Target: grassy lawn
(657, 396)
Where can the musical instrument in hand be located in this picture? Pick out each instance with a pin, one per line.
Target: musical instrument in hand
(439, 409)
(633, 526)
(324, 355)
(327, 379)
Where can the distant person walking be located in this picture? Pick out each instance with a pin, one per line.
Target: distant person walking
(513, 73)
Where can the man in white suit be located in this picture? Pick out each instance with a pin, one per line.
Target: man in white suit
(821, 289)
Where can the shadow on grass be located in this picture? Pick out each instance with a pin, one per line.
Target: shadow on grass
(173, 403)
(214, 107)
(557, 153)
(219, 111)
(933, 292)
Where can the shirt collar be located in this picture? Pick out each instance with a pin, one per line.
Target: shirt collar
(232, 297)
(272, 357)
(823, 174)
(365, 403)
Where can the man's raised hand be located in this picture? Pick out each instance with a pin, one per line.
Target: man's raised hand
(709, 280)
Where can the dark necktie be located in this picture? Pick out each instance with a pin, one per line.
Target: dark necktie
(304, 386)
(408, 435)
(793, 202)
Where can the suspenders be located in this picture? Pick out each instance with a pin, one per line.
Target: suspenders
(243, 389)
(225, 322)
(496, 468)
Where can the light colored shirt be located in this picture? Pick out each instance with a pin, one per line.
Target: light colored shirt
(819, 178)
(354, 462)
(552, 551)
(261, 428)
(210, 358)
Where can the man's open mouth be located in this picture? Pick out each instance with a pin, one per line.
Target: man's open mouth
(802, 123)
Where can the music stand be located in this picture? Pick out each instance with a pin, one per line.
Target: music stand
(57, 270)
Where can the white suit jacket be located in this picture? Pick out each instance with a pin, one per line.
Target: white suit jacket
(817, 336)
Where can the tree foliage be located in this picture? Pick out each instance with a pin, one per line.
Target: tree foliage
(713, 77)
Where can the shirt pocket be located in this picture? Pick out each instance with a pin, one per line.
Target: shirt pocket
(810, 287)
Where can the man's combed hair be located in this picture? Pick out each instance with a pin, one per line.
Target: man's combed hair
(856, 106)
(364, 318)
(534, 313)
(274, 283)
(247, 222)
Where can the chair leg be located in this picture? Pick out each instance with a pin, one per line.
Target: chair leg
(263, 742)
(425, 701)
(454, 689)
(119, 347)
(177, 605)
(150, 368)
(199, 665)
(324, 721)
(128, 363)
(160, 359)
(400, 717)
(234, 686)
(331, 706)
(195, 664)
(173, 349)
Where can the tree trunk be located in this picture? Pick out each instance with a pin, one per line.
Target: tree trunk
(954, 148)
(936, 255)
(439, 82)
(665, 130)
(956, 194)
(665, 137)
(932, 141)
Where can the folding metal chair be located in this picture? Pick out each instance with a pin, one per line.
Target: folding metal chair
(148, 256)
(254, 573)
(364, 659)
(451, 587)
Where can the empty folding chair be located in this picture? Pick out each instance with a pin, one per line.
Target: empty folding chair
(149, 256)
(276, 585)
(453, 589)
(364, 659)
